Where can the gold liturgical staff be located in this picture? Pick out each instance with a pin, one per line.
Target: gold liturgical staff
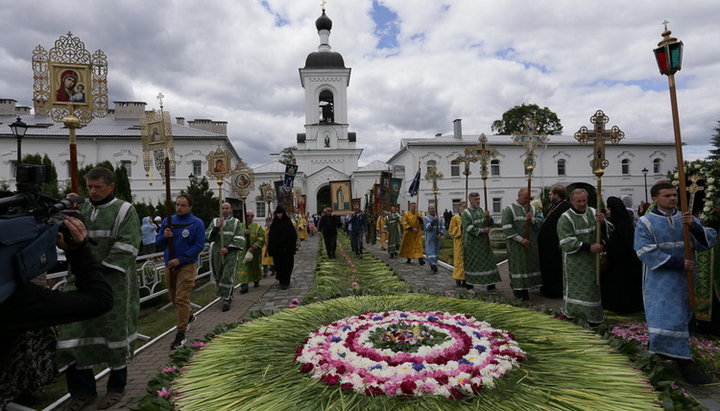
(530, 139)
(484, 153)
(598, 136)
(70, 86)
(434, 175)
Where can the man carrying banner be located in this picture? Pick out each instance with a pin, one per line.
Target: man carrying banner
(224, 258)
(249, 269)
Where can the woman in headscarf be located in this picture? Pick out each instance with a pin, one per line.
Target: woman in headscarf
(281, 246)
(622, 280)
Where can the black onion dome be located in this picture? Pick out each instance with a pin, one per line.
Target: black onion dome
(323, 22)
(323, 59)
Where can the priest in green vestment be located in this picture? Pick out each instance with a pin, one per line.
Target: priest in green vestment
(478, 257)
(250, 268)
(522, 252)
(224, 257)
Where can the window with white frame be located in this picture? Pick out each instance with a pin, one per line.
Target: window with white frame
(456, 205)
(430, 164)
(495, 167)
(497, 205)
(561, 167)
(656, 166)
(625, 166)
(455, 168)
(197, 168)
(127, 165)
(260, 209)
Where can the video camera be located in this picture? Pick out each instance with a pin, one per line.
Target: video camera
(29, 222)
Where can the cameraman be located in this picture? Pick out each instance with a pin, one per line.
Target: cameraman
(26, 343)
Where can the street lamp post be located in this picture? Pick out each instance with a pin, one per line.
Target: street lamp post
(668, 55)
(19, 128)
(645, 171)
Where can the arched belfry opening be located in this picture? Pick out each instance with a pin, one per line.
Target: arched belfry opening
(326, 106)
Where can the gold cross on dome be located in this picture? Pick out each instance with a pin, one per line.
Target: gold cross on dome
(160, 98)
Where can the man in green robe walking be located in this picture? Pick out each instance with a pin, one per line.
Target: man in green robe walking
(478, 257)
(393, 228)
(522, 252)
(576, 231)
(250, 268)
(113, 227)
(224, 257)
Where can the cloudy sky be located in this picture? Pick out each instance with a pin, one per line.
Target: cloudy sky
(416, 64)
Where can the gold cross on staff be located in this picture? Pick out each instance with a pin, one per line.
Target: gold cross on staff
(485, 153)
(433, 175)
(467, 158)
(693, 189)
(599, 135)
(530, 139)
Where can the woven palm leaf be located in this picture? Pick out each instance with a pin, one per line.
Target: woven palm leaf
(567, 368)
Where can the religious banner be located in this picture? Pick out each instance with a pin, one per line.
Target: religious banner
(267, 192)
(385, 178)
(415, 185)
(284, 197)
(340, 197)
(395, 184)
(289, 178)
(379, 199)
(218, 163)
(301, 201)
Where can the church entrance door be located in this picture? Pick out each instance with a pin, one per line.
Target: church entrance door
(323, 198)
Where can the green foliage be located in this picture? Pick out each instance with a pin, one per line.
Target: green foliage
(287, 156)
(50, 187)
(206, 205)
(715, 152)
(512, 120)
(122, 183)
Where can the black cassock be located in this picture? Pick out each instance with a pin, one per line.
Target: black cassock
(551, 266)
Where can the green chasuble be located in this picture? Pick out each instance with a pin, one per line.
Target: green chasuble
(114, 230)
(523, 263)
(224, 269)
(478, 257)
(392, 226)
(252, 271)
(581, 294)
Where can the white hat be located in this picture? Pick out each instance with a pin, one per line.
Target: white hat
(157, 218)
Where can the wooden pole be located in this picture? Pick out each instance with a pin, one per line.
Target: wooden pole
(527, 207)
(168, 209)
(72, 123)
(683, 193)
(598, 226)
(222, 228)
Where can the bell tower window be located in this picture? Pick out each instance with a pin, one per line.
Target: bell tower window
(326, 107)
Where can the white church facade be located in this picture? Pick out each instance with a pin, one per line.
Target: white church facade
(327, 151)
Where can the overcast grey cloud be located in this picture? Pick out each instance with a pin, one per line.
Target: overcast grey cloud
(416, 64)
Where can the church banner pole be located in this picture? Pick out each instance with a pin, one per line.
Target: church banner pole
(599, 135)
(530, 139)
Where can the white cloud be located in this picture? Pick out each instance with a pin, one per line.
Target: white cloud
(468, 59)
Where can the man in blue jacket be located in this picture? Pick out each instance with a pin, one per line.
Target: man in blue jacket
(187, 235)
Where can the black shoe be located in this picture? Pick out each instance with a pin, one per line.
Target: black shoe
(691, 372)
(191, 319)
(408, 261)
(256, 284)
(421, 261)
(226, 305)
(179, 341)
(79, 402)
(433, 268)
(467, 286)
(459, 283)
(491, 287)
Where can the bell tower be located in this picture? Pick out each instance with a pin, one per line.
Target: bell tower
(325, 80)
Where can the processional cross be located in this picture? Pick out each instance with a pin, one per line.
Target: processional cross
(434, 175)
(484, 153)
(530, 139)
(467, 158)
(599, 135)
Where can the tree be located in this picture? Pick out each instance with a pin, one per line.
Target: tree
(50, 186)
(287, 156)
(206, 205)
(512, 120)
(715, 152)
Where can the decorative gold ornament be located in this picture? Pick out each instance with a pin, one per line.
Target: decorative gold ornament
(530, 139)
(68, 81)
(157, 139)
(599, 136)
(243, 180)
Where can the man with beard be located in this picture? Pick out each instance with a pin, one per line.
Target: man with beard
(576, 231)
(551, 267)
(522, 252)
(224, 259)
(411, 246)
